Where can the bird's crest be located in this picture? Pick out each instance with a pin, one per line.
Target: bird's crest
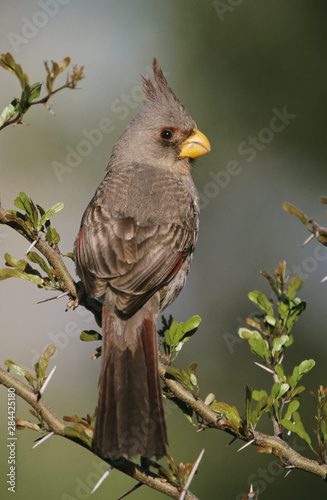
(152, 92)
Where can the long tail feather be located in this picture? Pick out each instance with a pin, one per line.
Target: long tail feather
(130, 417)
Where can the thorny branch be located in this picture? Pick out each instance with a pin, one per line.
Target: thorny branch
(60, 428)
(265, 443)
(269, 444)
(54, 258)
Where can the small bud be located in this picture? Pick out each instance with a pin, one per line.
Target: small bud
(209, 399)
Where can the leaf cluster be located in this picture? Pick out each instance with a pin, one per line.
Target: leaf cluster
(321, 418)
(14, 112)
(36, 382)
(270, 333)
(34, 222)
(317, 231)
(176, 474)
(269, 337)
(176, 334)
(82, 428)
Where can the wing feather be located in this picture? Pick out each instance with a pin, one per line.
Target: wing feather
(134, 255)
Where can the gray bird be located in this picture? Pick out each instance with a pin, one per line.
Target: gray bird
(134, 249)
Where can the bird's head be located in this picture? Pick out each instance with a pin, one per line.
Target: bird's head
(163, 133)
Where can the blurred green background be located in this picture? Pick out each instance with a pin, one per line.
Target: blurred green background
(232, 64)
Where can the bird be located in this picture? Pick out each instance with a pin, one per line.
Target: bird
(133, 253)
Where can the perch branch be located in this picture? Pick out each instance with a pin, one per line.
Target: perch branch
(61, 428)
(53, 257)
(266, 443)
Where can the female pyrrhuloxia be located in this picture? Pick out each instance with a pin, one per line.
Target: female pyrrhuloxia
(134, 249)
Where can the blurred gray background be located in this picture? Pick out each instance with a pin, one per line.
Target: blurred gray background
(235, 66)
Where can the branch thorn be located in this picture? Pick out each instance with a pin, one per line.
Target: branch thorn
(246, 444)
(32, 245)
(42, 439)
(102, 478)
(53, 298)
(190, 478)
(264, 367)
(130, 491)
(44, 386)
(231, 442)
(311, 237)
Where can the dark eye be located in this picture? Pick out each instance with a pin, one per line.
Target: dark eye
(166, 134)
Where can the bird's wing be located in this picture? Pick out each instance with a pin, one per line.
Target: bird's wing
(135, 254)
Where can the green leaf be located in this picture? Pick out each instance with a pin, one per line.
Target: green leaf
(295, 312)
(34, 91)
(260, 347)
(10, 273)
(264, 404)
(280, 373)
(90, 335)
(297, 391)
(40, 368)
(49, 213)
(278, 390)
(14, 368)
(257, 395)
(306, 366)
(8, 62)
(291, 209)
(284, 308)
(19, 272)
(290, 341)
(37, 259)
(296, 284)
(12, 262)
(180, 375)
(246, 334)
(230, 412)
(179, 333)
(295, 377)
(168, 337)
(271, 320)
(261, 300)
(19, 219)
(275, 390)
(52, 237)
(292, 407)
(299, 371)
(8, 112)
(192, 323)
(279, 343)
(283, 389)
(25, 203)
(34, 278)
(297, 427)
(70, 255)
(42, 365)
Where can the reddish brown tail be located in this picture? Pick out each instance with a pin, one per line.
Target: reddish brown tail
(130, 417)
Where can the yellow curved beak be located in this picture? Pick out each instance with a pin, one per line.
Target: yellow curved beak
(195, 145)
